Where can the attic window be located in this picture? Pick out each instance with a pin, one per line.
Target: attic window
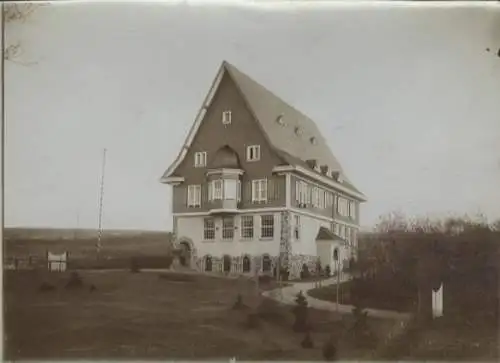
(226, 117)
(298, 131)
(313, 140)
(280, 120)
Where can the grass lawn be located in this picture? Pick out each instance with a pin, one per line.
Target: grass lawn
(140, 316)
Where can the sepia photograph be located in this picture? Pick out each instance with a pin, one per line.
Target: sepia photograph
(251, 180)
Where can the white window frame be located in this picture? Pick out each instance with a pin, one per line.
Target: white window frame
(194, 195)
(343, 206)
(208, 231)
(296, 227)
(247, 229)
(259, 190)
(226, 117)
(253, 153)
(227, 230)
(301, 192)
(352, 209)
(267, 230)
(200, 159)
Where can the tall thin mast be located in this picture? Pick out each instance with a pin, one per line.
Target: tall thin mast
(99, 232)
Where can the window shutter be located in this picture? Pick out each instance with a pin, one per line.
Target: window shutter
(254, 191)
(270, 190)
(209, 191)
(238, 191)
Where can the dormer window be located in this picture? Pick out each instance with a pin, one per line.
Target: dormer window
(200, 159)
(226, 117)
(280, 120)
(313, 140)
(253, 153)
(298, 131)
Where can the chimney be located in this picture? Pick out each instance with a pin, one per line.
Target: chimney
(312, 163)
(325, 170)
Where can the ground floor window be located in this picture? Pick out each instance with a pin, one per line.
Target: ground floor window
(247, 227)
(336, 254)
(226, 261)
(208, 229)
(267, 226)
(227, 228)
(208, 263)
(246, 264)
(266, 263)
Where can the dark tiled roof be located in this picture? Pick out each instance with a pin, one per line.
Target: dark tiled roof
(295, 147)
(324, 234)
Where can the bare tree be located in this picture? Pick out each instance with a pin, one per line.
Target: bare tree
(15, 13)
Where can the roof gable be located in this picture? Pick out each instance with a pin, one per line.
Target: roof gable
(293, 135)
(288, 129)
(324, 234)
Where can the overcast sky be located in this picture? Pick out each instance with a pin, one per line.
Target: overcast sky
(408, 98)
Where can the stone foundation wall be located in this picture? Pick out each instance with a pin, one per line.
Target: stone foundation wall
(296, 262)
(236, 264)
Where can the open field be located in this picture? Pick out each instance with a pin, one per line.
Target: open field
(117, 246)
(144, 316)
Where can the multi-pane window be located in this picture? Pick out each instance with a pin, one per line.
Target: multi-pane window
(226, 117)
(315, 197)
(348, 235)
(322, 201)
(352, 210)
(247, 227)
(200, 159)
(267, 226)
(215, 190)
(194, 196)
(208, 229)
(224, 189)
(296, 227)
(328, 199)
(342, 231)
(246, 264)
(259, 190)
(301, 193)
(253, 152)
(227, 228)
(342, 206)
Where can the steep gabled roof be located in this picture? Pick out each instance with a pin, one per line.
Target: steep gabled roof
(324, 234)
(268, 107)
(293, 135)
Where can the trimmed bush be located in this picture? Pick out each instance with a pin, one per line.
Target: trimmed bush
(304, 273)
(307, 343)
(300, 313)
(328, 271)
(330, 350)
